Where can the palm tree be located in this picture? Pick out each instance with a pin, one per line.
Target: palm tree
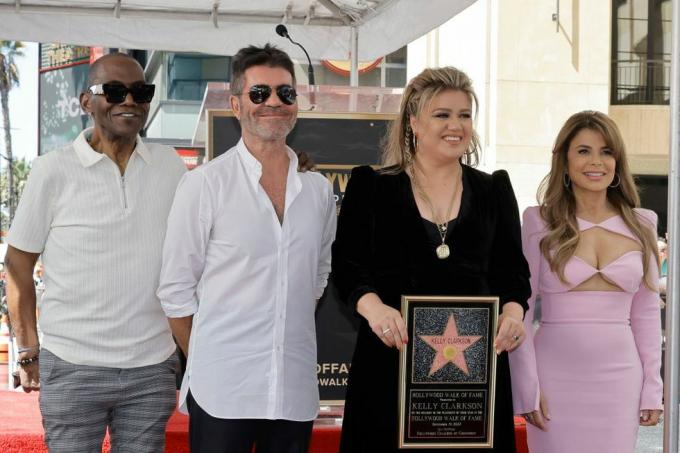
(21, 169)
(9, 78)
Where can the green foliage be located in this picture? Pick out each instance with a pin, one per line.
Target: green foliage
(9, 78)
(21, 169)
(9, 72)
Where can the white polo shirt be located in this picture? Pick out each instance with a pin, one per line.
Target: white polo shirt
(251, 284)
(101, 237)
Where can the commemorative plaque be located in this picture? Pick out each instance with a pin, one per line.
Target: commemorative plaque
(447, 372)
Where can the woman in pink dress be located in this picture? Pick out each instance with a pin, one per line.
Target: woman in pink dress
(591, 373)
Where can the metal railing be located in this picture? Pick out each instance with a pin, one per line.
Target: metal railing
(641, 82)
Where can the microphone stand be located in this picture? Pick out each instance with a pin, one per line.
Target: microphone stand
(283, 31)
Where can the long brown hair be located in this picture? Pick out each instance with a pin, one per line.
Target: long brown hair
(398, 146)
(558, 205)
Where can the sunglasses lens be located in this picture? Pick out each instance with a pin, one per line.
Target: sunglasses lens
(259, 93)
(287, 94)
(114, 92)
(143, 93)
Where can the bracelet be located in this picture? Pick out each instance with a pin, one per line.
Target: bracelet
(24, 362)
(30, 348)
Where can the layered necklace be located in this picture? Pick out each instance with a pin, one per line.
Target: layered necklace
(442, 223)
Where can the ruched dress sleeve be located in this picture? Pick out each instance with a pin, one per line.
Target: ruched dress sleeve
(508, 269)
(645, 322)
(525, 386)
(352, 250)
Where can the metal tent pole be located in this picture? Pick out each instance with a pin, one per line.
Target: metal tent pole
(354, 57)
(671, 387)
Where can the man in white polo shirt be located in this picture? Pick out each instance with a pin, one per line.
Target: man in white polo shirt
(246, 255)
(96, 211)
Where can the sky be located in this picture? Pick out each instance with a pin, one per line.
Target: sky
(23, 107)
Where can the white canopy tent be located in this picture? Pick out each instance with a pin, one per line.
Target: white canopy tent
(324, 27)
(329, 29)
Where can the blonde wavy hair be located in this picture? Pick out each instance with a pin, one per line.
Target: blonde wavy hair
(558, 205)
(398, 146)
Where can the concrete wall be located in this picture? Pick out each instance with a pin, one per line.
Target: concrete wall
(546, 73)
(463, 42)
(646, 133)
(530, 75)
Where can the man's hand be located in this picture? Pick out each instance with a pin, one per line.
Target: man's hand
(21, 304)
(29, 376)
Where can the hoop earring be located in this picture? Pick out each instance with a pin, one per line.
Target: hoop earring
(618, 182)
(566, 180)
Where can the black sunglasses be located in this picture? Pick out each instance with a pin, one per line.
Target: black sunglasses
(260, 93)
(115, 93)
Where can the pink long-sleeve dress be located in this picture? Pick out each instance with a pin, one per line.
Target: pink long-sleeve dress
(596, 356)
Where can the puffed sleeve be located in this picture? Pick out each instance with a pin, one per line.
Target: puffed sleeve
(525, 386)
(645, 322)
(508, 270)
(351, 258)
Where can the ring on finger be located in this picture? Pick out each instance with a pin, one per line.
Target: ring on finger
(515, 337)
(386, 331)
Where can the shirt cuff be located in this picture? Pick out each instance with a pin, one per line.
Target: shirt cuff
(181, 310)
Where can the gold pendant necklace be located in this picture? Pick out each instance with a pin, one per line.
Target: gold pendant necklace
(443, 251)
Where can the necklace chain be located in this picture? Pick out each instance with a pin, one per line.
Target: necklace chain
(441, 223)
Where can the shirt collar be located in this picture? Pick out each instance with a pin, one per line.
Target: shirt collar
(254, 167)
(88, 156)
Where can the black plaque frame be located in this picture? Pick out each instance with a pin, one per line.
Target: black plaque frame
(452, 406)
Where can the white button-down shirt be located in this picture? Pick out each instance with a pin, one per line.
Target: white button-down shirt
(101, 238)
(251, 284)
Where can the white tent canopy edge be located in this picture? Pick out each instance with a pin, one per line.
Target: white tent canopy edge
(324, 27)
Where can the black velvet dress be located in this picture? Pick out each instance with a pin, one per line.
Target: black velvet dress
(382, 246)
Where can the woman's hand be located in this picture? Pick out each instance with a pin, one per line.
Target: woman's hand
(650, 417)
(540, 417)
(510, 328)
(385, 321)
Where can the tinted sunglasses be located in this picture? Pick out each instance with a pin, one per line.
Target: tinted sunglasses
(260, 93)
(115, 93)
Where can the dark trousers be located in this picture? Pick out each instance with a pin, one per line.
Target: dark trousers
(208, 434)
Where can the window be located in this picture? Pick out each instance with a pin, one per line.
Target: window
(641, 51)
(188, 74)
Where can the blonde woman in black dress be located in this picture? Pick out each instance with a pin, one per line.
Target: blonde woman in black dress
(427, 223)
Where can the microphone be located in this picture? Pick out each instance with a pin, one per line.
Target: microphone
(282, 31)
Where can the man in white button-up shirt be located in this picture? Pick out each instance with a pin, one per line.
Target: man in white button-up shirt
(97, 210)
(246, 255)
